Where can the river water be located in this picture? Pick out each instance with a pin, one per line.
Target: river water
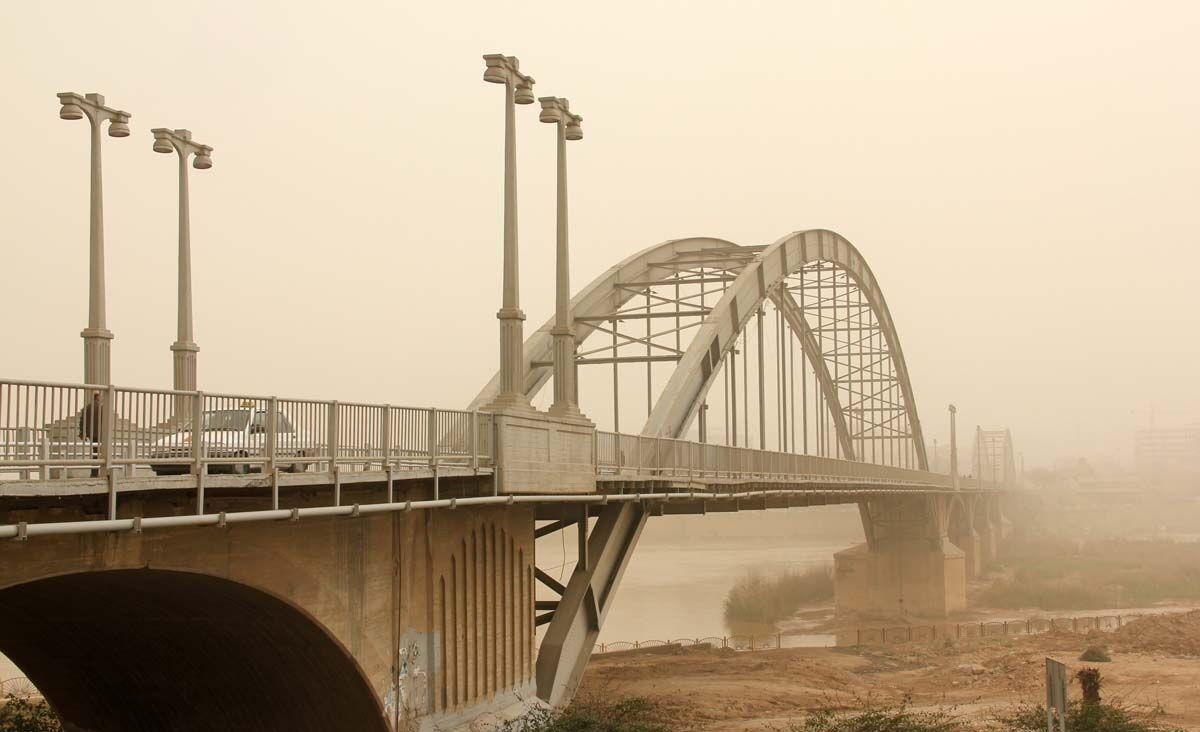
(684, 566)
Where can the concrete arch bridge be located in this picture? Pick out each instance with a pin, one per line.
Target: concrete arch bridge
(311, 565)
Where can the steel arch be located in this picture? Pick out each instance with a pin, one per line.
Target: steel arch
(758, 281)
(680, 399)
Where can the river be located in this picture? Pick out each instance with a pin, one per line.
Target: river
(684, 566)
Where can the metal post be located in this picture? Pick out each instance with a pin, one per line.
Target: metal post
(44, 456)
(475, 442)
(106, 448)
(272, 432)
(272, 448)
(432, 448)
(582, 549)
(953, 448)
(733, 395)
(616, 381)
(762, 392)
(385, 436)
(332, 436)
(649, 364)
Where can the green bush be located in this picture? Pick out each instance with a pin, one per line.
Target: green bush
(867, 717)
(19, 714)
(1095, 654)
(758, 599)
(1054, 573)
(594, 714)
(1106, 717)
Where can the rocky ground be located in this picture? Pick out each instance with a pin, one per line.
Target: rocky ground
(1155, 663)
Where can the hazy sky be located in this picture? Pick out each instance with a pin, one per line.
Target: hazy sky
(1022, 177)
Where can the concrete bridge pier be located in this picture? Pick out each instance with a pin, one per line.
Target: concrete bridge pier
(971, 545)
(991, 525)
(908, 564)
(962, 532)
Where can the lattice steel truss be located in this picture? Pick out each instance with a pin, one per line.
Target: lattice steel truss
(810, 363)
(993, 459)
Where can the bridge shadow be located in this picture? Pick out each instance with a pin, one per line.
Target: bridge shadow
(159, 650)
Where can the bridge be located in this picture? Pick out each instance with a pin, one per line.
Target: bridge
(384, 555)
(183, 559)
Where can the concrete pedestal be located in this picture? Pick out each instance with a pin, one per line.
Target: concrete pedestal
(539, 453)
(913, 577)
(972, 548)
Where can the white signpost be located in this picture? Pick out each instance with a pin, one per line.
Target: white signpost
(1056, 694)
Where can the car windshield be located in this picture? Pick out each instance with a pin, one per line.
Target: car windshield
(226, 419)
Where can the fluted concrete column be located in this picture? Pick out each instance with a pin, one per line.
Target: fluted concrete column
(97, 338)
(184, 348)
(512, 319)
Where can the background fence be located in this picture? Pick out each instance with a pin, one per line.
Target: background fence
(880, 636)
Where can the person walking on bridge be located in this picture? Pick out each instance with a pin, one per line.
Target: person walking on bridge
(91, 427)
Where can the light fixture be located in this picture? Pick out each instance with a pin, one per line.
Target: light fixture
(574, 129)
(119, 127)
(496, 71)
(524, 93)
(203, 159)
(70, 111)
(163, 145)
(550, 111)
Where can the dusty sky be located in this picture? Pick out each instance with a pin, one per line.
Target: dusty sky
(1022, 177)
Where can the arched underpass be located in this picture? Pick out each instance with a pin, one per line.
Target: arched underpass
(129, 650)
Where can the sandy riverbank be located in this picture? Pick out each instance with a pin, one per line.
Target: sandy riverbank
(1155, 662)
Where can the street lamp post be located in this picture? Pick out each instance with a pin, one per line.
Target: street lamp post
(518, 89)
(953, 448)
(97, 355)
(557, 111)
(180, 142)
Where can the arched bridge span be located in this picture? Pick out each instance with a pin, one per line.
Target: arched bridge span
(205, 653)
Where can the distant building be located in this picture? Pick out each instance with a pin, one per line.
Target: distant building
(1166, 454)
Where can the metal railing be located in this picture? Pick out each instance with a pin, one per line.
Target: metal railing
(880, 636)
(52, 431)
(639, 455)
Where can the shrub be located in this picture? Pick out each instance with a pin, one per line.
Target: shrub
(1107, 717)
(1095, 654)
(20, 714)
(1054, 573)
(595, 714)
(869, 718)
(766, 600)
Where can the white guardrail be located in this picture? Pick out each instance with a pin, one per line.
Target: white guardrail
(54, 431)
(634, 455)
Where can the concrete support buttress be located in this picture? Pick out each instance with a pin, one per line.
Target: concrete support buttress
(907, 567)
(577, 620)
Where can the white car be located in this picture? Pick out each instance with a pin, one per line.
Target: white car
(233, 433)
